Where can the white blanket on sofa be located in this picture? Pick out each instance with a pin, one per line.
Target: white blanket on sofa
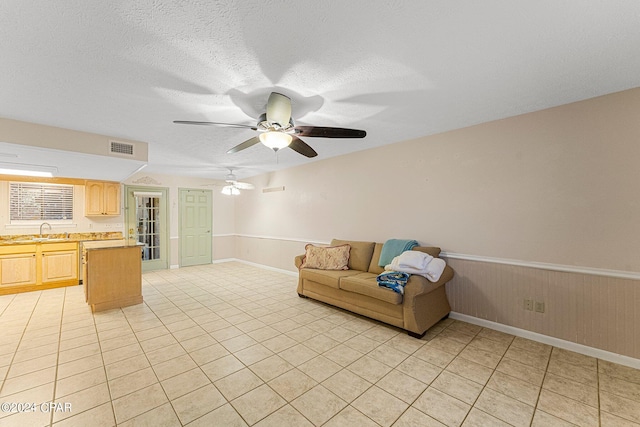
(413, 259)
(416, 262)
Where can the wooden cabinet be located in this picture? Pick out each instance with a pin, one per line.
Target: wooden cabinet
(25, 268)
(113, 277)
(102, 198)
(18, 269)
(59, 265)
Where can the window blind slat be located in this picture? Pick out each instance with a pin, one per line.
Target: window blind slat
(33, 201)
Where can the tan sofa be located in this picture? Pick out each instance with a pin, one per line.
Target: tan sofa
(423, 304)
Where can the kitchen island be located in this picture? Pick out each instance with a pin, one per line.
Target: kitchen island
(112, 274)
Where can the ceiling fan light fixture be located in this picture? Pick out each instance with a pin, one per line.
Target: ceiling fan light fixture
(275, 140)
(230, 190)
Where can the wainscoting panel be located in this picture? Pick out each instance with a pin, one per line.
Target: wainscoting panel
(224, 246)
(278, 253)
(593, 310)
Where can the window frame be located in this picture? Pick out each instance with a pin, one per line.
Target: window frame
(68, 202)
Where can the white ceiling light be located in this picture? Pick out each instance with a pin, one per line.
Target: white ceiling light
(230, 190)
(275, 140)
(27, 170)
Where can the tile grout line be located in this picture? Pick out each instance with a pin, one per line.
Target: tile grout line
(124, 314)
(428, 385)
(598, 390)
(483, 386)
(544, 377)
(6, 374)
(55, 377)
(24, 330)
(245, 367)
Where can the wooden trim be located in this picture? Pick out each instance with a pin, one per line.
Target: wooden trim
(594, 271)
(56, 180)
(123, 302)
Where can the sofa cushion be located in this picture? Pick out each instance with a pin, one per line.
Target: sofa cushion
(373, 265)
(366, 284)
(326, 258)
(431, 250)
(326, 277)
(360, 255)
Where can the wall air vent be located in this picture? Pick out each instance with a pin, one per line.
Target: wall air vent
(121, 148)
(272, 189)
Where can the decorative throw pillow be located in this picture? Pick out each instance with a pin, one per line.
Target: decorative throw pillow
(326, 258)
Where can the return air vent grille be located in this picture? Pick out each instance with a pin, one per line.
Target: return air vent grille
(121, 148)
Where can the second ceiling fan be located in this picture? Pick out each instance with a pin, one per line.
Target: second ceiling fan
(278, 130)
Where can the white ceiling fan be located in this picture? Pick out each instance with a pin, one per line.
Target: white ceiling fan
(234, 186)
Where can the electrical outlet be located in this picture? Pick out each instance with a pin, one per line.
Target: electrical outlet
(528, 304)
(539, 306)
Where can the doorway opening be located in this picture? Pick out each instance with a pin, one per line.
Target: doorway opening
(147, 222)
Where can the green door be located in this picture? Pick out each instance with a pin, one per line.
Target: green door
(147, 223)
(195, 227)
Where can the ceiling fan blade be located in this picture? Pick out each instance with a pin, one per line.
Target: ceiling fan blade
(187, 122)
(279, 109)
(248, 143)
(302, 147)
(327, 132)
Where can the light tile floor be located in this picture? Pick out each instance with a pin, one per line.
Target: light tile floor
(233, 345)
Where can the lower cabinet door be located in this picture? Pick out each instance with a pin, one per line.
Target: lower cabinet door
(59, 265)
(19, 269)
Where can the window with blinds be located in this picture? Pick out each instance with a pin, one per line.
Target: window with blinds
(38, 202)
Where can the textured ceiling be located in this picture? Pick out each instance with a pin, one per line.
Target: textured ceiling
(398, 69)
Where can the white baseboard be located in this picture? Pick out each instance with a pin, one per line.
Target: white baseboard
(255, 264)
(174, 266)
(545, 339)
(219, 261)
(266, 267)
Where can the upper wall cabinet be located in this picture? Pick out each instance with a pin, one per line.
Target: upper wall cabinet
(102, 198)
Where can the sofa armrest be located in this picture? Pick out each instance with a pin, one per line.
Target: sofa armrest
(298, 260)
(418, 285)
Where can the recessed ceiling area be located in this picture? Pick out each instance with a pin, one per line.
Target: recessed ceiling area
(68, 164)
(399, 70)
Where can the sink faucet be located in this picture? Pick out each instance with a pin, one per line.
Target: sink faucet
(43, 224)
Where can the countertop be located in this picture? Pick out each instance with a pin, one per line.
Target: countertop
(111, 244)
(32, 239)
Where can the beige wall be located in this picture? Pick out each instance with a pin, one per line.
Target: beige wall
(555, 186)
(50, 137)
(524, 196)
